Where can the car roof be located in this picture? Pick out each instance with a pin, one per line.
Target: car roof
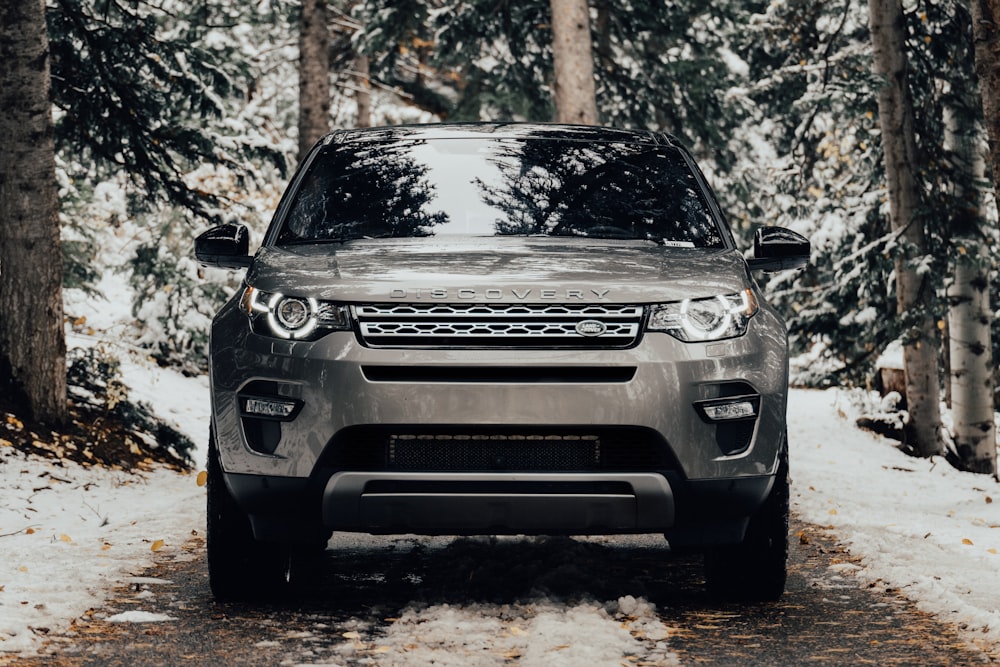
(499, 130)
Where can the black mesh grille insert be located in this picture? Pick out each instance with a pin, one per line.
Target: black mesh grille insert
(485, 449)
(483, 452)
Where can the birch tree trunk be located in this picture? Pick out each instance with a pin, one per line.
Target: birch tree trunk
(914, 291)
(572, 50)
(314, 74)
(32, 341)
(972, 366)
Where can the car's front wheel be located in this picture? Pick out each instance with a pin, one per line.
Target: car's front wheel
(239, 567)
(756, 569)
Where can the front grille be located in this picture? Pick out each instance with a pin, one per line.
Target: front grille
(499, 325)
(493, 449)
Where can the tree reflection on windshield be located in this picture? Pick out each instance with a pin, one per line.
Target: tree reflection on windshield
(599, 190)
(370, 190)
(402, 184)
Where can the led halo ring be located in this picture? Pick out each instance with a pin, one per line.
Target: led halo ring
(700, 333)
(285, 328)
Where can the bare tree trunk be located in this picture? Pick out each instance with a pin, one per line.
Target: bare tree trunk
(986, 33)
(363, 91)
(914, 292)
(572, 50)
(969, 313)
(314, 74)
(32, 341)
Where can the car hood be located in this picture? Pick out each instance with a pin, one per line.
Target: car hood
(490, 269)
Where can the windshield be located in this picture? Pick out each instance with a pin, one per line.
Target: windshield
(489, 186)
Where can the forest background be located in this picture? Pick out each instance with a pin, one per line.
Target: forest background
(168, 116)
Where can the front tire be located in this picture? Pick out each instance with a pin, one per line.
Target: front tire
(756, 569)
(239, 567)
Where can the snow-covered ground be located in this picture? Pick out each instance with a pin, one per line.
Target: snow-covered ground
(69, 534)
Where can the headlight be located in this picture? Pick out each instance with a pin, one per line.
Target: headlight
(293, 317)
(715, 318)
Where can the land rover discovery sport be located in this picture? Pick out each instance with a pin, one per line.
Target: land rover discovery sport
(498, 329)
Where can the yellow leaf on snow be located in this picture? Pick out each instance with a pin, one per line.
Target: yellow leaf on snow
(202, 479)
(157, 545)
(65, 538)
(29, 531)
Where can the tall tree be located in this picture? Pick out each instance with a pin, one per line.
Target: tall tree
(914, 289)
(314, 74)
(986, 33)
(573, 61)
(32, 342)
(975, 434)
(363, 91)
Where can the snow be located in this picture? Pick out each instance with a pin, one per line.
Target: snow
(542, 634)
(71, 534)
(139, 617)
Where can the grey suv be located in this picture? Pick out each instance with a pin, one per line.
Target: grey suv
(498, 329)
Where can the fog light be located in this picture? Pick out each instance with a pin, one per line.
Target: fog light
(270, 408)
(729, 409)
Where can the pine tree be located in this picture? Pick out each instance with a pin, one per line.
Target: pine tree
(175, 105)
(140, 90)
(32, 343)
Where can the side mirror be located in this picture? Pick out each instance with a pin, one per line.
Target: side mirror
(778, 249)
(225, 246)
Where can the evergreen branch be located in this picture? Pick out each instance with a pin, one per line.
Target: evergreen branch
(827, 53)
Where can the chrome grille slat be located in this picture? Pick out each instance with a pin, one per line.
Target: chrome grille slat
(496, 325)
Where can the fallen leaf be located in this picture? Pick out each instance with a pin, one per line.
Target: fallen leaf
(988, 500)
(832, 512)
(29, 531)
(992, 551)
(157, 545)
(351, 635)
(202, 479)
(967, 541)
(65, 538)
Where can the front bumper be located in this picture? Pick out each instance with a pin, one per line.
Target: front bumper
(340, 388)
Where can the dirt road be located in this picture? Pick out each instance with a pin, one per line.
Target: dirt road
(366, 588)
